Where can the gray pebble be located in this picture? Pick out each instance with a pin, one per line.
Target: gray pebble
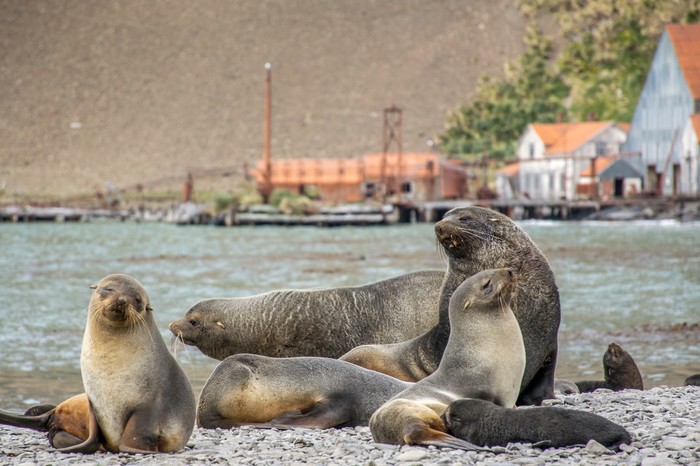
(663, 423)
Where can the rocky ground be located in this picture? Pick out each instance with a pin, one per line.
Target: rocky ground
(664, 423)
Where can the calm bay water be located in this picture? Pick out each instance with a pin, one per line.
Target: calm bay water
(634, 283)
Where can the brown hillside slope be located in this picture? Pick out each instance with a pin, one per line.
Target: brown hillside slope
(125, 91)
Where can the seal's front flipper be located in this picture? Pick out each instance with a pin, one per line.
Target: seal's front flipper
(92, 443)
(140, 434)
(324, 414)
(421, 434)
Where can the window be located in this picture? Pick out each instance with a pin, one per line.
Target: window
(532, 150)
(601, 148)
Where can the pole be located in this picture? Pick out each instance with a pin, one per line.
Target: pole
(267, 165)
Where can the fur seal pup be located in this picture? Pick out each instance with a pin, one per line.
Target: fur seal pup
(139, 398)
(692, 380)
(476, 239)
(66, 424)
(486, 424)
(484, 358)
(249, 389)
(620, 372)
(326, 322)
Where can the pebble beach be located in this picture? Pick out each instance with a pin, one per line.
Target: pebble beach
(664, 423)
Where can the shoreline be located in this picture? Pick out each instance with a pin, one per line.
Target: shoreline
(663, 422)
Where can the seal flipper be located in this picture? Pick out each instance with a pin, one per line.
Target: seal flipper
(332, 411)
(40, 422)
(92, 443)
(421, 434)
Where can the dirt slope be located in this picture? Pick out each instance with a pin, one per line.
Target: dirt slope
(124, 91)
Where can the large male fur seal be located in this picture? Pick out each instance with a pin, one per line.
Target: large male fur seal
(326, 322)
(484, 358)
(620, 372)
(486, 424)
(249, 389)
(139, 396)
(476, 239)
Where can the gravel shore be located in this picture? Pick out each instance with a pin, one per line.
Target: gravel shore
(664, 422)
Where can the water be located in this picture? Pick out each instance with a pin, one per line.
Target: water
(634, 283)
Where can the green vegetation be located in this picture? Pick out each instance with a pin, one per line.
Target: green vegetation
(600, 69)
(290, 203)
(532, 89)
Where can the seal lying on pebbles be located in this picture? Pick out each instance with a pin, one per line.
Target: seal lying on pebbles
(486, 424)
(66, 424)
(326, 322)
(249, 389)
(476, 239)
(484, 358)
(620, 372)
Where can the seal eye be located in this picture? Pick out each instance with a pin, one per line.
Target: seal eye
(487, 287)
(465, 219)
(193, 322)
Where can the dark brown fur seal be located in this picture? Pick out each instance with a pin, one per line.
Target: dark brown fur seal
(486, 424)
(620, 372)
(140, 400)
(484, 358)
(248, 389)
(66, 424)
(692, 380)
(326, 322)
(476, 239)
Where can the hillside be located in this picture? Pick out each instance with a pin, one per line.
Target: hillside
(96, 92)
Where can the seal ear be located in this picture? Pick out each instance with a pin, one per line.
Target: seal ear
(220, 324)
(93, 287)
(467, 303)
(149, 308)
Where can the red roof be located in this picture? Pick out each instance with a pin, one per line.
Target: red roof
(695, 120)
(509, 170)
(563, 138)
(601, 163)
(686, 43)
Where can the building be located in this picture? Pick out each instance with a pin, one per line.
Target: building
(551, 157)
(408, 176)
(666, 125)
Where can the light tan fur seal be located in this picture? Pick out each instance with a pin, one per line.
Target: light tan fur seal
(476, 239)
(140, 399)
(484, 358)
(249, 389)
(326, 322)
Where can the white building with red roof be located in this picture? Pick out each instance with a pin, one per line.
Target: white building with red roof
(666, 125)
(551, 157)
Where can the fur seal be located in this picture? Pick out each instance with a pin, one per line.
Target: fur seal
(620, 372)
(66, 424)
(486, 424)
(325, 322)
(476, 239)
(139, 398)
(692, 380)
(249, 389)
(484, 358)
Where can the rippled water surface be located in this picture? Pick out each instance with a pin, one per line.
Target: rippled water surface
(634, 283)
